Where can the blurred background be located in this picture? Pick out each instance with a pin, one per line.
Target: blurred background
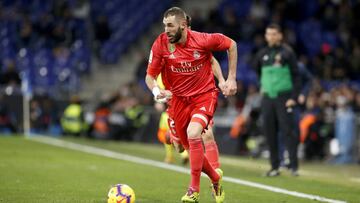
(78, 68)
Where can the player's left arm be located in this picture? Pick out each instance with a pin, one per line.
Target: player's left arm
(220, 42)
(230, 83)
(218, 74)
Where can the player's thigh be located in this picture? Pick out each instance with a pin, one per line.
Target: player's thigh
(205, 103)
(203, 108)
(181, 116)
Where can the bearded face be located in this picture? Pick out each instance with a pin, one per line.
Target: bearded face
(174, 38)
(173, 29)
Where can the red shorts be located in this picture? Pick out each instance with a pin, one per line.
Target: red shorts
(172, 132)
(183, 109)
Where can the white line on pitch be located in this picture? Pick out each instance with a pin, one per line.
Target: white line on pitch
(134, 159)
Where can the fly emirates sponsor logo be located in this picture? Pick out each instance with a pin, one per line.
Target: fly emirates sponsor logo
(186, 67)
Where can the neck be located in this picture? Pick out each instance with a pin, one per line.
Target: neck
(275, 44)
(183, 37)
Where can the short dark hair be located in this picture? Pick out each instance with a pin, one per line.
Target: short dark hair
(188, 20)
(275, 26)
(175, 11)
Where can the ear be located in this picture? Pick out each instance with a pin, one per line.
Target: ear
(183, 25)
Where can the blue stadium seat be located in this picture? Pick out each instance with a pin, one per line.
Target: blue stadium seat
(241, 8)
(127, 22)
(80, 59)
(24, 60)
(330, 38)
(310, 34)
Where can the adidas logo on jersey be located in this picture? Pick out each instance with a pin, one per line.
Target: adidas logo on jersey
(203, 108)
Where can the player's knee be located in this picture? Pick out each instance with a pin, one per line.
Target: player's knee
(207, 136)
(194, 132)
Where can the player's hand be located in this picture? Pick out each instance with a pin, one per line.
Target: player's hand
(163, 96)
(231, 87)
(168, 94)
(222, 86)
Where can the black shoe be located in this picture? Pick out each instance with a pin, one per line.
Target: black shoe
(272, 173)
(294, 172)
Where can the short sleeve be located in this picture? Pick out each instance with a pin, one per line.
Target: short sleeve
(155, 59)
(216, 42)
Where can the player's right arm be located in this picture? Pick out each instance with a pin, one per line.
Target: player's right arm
(153, 70)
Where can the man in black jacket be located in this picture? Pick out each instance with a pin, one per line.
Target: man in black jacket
(277, 68)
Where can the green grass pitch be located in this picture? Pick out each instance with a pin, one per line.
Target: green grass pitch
(35, 172)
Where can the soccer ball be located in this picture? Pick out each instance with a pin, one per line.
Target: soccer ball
(121, 193)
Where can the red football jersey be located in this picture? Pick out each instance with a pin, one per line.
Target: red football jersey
(187, 67)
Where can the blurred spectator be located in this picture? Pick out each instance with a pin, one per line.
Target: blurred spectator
(6, 121)
(135, 113)
(44, 28)
(72, 121)
(26, 36)
(100, 127)
(357, 102)
(10, 76)
(102, 29)
(258, 10)
(59, 35)
(344, 131)
(310, 136)
(119, 124)
(246, 124)
(82, 9)
(36, 114)
(355, 59)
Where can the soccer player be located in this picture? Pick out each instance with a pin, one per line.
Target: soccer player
(187, 66)
(167, 134)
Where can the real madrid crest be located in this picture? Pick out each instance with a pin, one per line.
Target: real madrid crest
(196, 54)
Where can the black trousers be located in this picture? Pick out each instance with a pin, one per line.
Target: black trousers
(277, 117)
